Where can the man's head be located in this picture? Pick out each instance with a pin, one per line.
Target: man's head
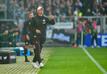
(40, 11)
(30, 15)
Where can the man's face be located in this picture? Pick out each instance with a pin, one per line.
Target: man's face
(30, 15)
(40, 11)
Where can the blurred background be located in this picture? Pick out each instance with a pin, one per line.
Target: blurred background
(77, 22)
(73, 18)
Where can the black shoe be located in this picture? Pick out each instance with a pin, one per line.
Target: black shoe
(27, 60)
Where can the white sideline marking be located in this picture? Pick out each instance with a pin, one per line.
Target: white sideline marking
(94, 61)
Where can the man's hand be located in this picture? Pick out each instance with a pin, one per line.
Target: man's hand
(51, 17)
(27, 37)
(38, 31)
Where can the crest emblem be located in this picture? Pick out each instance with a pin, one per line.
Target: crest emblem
(44, 21)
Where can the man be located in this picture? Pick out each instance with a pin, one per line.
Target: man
(26, 33)
(38, 34)
(93, 33)
(79, 31)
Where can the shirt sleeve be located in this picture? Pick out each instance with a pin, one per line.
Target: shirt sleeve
(50, 21)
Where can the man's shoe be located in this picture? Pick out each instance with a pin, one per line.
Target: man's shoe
(92, 46)
(36, 65)
(98, 46)
(27, 61)
(41, 65)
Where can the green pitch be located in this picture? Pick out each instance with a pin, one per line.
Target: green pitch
(61, 60)
(75, 61)
(100, 54)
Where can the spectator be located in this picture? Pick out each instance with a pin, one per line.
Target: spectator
(79, 31)
(94, 33)
(104, 3)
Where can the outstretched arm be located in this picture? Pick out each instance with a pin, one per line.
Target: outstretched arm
(51, 20)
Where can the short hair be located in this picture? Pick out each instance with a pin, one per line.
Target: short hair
(39, 8)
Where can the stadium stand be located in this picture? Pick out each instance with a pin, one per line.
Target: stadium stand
(64, 10)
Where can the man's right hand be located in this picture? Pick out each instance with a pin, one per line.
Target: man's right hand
(27, 37)
(38, 31)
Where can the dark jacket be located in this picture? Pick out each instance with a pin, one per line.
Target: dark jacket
(26, 29)
(40, 23)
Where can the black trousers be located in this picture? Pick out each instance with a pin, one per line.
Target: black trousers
(26, 49)
(94, 38)
(38, 45)
(25, 53)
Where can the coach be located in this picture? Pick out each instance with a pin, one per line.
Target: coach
(38, 34)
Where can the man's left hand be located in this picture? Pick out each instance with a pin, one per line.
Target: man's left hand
(52, 17)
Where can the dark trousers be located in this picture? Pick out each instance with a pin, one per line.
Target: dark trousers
(38, 45)
(78, 39)
(25, 50)
(92, 40)
(25, 53)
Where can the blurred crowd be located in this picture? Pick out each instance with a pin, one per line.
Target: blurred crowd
(9, 34)
(86, 26)
(58, 7)
(18, 10)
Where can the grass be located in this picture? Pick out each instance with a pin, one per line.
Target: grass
(61, 60)
(100, 54)
(70, 61)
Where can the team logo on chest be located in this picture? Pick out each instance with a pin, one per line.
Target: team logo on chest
(44, 21)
